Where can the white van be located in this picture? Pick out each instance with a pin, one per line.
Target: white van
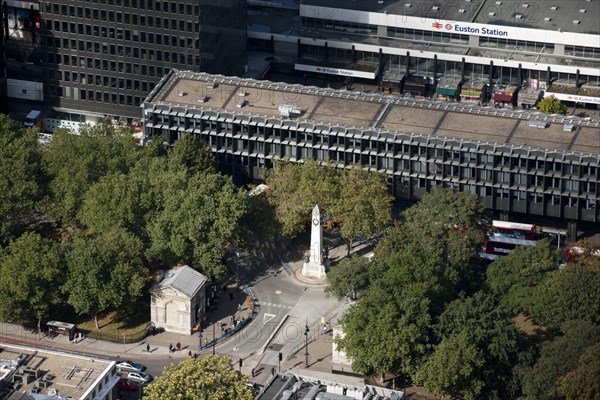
(34, 118)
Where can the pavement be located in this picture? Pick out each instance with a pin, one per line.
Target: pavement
(284, 308)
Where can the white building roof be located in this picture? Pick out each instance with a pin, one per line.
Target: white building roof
(184, 279)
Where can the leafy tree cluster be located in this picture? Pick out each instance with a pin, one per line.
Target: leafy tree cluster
(210, 378)
(552, 105)
(85, 218)
(430, 309)
(357, 198)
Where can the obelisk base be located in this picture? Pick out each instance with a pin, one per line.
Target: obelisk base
(314, 270)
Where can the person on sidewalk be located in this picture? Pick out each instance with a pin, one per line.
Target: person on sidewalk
(178, 346)
(170, 348)
(148, 348)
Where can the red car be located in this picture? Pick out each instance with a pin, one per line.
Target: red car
(126, 385)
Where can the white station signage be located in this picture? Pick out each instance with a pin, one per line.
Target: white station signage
(574, 98)
(336, 71)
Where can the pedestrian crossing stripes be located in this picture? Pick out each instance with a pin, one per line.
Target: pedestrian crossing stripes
(267, 304)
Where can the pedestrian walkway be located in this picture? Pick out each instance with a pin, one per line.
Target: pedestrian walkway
(231, 304)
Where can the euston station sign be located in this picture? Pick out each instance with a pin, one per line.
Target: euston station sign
(462, 28)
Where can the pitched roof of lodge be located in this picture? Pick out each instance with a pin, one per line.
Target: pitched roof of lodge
(184, 279)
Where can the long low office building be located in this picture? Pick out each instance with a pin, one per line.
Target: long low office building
(516, 161)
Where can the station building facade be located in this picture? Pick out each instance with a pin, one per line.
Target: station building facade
(524, 43)
(242, 121)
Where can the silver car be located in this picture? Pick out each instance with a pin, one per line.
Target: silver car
(130, 366)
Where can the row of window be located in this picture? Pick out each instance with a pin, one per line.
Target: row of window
(99, 80)
(160, 6)
(121, 67)
(373, 145)
(122, 34)
(93, 96)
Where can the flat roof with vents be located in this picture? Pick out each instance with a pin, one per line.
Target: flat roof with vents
(362, 111)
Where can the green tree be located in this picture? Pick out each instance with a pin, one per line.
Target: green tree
(491, 331)
(582, 383)
(569, 294)
(20, 181)
(30, 278)
(104, 271)
(210, 378)
(363, 204)
(193, 154)
(387, 330)
(447, 225)
(558, 357)
(118, 200)
(348, 278)
(75, 162)
(453, 368)
(514, 278)
(295, 189)
(552, 105)
(198, 218)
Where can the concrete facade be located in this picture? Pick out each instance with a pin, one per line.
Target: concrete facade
(513, 167)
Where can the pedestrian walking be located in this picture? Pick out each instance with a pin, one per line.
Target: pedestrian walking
(170, 348)
(190, 353)
(178, 346)
(273, 371)
(148, 348)
(253, 372)
(230, 296)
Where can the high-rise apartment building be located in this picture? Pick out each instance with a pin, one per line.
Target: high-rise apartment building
(103, 57)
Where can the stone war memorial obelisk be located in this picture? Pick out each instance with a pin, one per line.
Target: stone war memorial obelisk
(313, 267)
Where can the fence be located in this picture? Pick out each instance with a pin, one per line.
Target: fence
(119, 337)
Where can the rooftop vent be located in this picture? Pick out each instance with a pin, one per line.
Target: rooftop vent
(408, 5)
(492, 14)
(435, 8)
(525, 5)
(547, 19)
(498, 3)
(576, 21)
(380, 2)
(468, 1)
(582, 11)
(461, 10)
(554, 8)
(519, 16)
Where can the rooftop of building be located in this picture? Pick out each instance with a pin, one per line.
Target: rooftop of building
(521, 13)
(42, 373)
(183, 278)
(303, 383)
(373, 113)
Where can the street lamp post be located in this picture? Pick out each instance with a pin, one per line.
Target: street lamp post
(306, 330)
(214, 339)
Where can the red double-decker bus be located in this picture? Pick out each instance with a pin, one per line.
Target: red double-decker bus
(507, 236)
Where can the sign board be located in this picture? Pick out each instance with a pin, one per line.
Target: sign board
(574, 98)
(336, 71)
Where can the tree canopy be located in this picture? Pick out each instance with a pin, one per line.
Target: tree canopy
(21, 178)
(356, 197)
(104, 270)
(30, 276)
(348, 278)
(582, 383)
(75, 162)
(552, 105)
(210, 378)
(515, 277)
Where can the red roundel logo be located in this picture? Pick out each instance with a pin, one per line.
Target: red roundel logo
(448, 27)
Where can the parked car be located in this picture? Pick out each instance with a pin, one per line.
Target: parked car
(139, 377)
(130, 366)
(127, 385)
